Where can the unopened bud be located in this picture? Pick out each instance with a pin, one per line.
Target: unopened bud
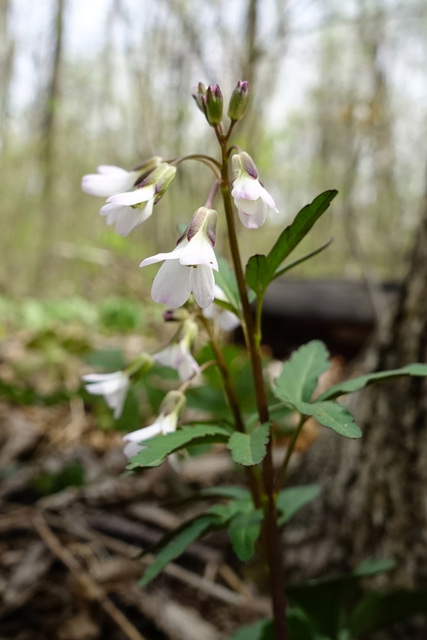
(238, 101)
(199, 96)
(214, 104)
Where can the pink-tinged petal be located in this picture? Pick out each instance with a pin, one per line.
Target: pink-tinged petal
(246, 188)
(172, 284)
(268, 199)
(203, 284)
(187, 368)
(199, 250)
(134, 197)
(253, 221)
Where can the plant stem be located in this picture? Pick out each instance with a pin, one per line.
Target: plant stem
(230, 392)
(291, 446)
(271, 530)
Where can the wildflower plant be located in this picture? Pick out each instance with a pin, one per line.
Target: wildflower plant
(193, 282)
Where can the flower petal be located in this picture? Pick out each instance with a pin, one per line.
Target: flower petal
(252, 214)
(134, 197)
(199, 250)
(246, 188)
(203, 284)
(171, 255)
(172, 284)
(108, 183)
(268, 199)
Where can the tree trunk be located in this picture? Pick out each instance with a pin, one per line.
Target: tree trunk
(375, 489)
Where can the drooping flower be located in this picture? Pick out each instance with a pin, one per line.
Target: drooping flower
(113, 386)
(250, 197)
(178, 354)
(166, 422)
(188, 268)
(227, 320)
(127, 208)
(108, 181)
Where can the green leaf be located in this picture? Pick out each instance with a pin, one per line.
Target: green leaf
(332, 415)
(378, 611)
(302, 224)
(291, 500)
(244, 530)
(159, 447)
(257, 273)
(260, 630)
(226, 279)
(373, 566)
(249, 448)
(178, 545)
(300, 373)
(299, 261)
(355, 384)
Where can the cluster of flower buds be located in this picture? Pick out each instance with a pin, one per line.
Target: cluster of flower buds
(210, 102)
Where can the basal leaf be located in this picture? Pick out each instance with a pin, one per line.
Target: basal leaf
(244, 529)
(249, 448)
(178, 545)
(302, 224)
(159, 447)
(355, 384)
(332, 415)
(300, 373)
(292, 499)
(257, 273)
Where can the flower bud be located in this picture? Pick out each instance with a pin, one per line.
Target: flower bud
(214, 104)
(238, 101)
(199, 96)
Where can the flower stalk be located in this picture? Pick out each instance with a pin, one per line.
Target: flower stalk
(271, 532)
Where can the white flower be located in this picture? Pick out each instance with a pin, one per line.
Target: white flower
(178, 354)
(108, 181)
(166, 422)
(250, 197)
(113, 386)
(162, 425)
(227, 320)
(188, 268)
(125, 208)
